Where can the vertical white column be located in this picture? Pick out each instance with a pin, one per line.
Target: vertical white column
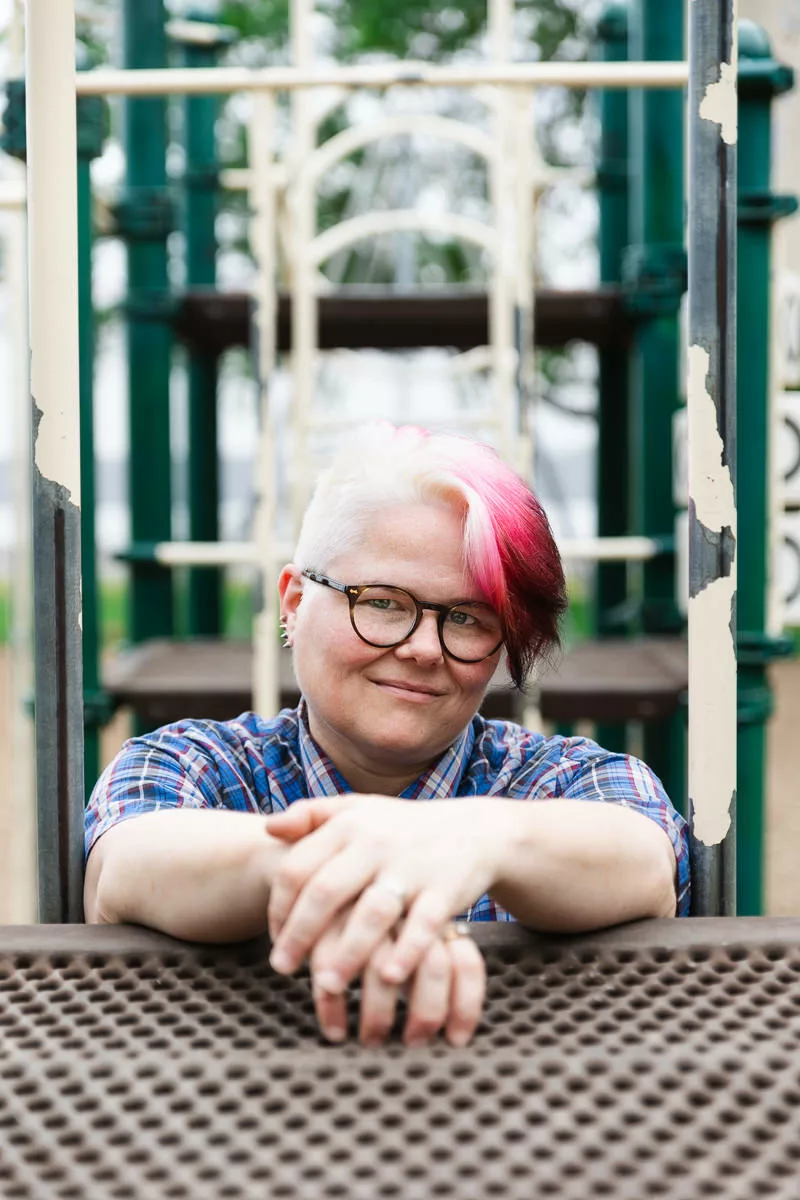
(302, 201)
(21, 852)
(53, 331)
(266, 682)
(503, 196)
(523, 264)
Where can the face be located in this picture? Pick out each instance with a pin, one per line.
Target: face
(385, 712)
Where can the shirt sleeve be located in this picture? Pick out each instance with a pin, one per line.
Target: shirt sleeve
(579, 769)
(191, 764)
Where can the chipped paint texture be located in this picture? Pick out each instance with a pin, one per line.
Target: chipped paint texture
(712, 657)
(719, 104)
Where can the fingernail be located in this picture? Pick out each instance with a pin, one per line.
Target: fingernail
(459, 1039)
(335, 1033)
(417, 1044)
(393, 973)
(328, 981)
(280, 961)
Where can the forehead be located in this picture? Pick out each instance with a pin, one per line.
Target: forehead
(416, 546)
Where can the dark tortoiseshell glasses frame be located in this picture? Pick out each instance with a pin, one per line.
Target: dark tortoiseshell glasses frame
(354, 592)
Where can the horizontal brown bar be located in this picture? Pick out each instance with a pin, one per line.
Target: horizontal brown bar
(384, 319)
(167, 680)
(642, 679)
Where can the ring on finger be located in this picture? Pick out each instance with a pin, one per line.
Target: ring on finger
(456, 929)
(386, 884)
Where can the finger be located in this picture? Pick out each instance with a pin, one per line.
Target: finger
(374, 915)
(378, 1001)
(337, 883)
(429, 998)
(424, 924)
(300, 863)
(467, 990)
(331, 1010)
(304, 816)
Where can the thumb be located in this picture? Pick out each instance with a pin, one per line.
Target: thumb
(304, 816)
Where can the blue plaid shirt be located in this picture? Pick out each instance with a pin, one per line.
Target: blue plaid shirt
(258, 765)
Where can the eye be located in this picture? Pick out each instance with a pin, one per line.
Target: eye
(457, 616)
(381, 603)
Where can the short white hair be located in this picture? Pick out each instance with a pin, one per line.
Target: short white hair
(379, 466)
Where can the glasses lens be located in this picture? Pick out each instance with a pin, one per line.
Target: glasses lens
(471, 631)
(384, 615)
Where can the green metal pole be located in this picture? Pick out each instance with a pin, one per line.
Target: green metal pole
(655, 270)
(145, 220)
(612, 483)
(204, 614)
(96, 709)
(761, 79)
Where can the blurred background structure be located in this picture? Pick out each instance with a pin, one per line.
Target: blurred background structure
(256, 276)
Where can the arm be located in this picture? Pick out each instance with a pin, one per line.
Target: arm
(569, 865)
(202, 875)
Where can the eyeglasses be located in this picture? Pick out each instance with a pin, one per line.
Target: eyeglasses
(384, 616)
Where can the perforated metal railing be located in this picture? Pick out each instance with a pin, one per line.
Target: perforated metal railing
(658, 1060)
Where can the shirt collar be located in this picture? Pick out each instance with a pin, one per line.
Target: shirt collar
(437, 783)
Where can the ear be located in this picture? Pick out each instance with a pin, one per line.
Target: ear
(290, 590)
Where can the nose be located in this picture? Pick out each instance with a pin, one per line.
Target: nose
(424, 644)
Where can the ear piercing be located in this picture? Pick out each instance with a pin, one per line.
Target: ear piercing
(286, 640)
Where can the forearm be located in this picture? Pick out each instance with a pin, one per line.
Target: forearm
(199, 875)
(571, 865)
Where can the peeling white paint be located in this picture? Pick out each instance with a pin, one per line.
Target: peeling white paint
(720, 105)
(712, 653)
(710, 484)
(712, 710)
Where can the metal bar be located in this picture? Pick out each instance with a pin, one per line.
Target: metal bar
(263, 204)
(711, 394)
(107, 81)
(53, 326)
(22, 807)
(613, 390)
(204, 601)
(183, 554)
(146, 220)
(655, 272)
(760, 80)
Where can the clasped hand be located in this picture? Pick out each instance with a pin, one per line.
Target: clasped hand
(369, 888)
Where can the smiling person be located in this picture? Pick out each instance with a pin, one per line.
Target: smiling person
(366, 828)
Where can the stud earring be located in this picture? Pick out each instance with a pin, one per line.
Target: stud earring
(286, 640)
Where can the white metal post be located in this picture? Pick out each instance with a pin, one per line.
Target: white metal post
(302, 200)
(53, 292)
(502, 288)
(266, 691)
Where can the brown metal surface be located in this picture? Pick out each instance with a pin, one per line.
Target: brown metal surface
(383, 319)
(642, 679)
(661, 1059)
(165, 680)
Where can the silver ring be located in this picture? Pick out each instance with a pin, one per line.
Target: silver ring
(456, 929)
(396, 889)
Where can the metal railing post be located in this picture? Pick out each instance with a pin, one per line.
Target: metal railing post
(761, 79)
(200, 43)
(54, 384)
(145, 219)
(613, 500)
(711, 413)
(654, 270)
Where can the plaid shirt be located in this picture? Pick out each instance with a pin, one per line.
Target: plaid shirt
(255, 765)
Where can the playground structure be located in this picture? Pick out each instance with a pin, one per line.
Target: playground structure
(634, 318)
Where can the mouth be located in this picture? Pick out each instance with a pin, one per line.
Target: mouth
(419, 692)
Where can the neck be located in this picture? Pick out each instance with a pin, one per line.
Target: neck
(363, 775)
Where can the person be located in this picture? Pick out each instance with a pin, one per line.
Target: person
(366, 828)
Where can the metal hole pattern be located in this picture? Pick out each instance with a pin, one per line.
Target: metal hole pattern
(602, 1072)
